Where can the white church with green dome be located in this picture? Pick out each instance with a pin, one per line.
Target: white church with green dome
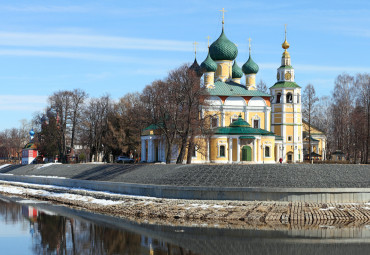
(249, 126)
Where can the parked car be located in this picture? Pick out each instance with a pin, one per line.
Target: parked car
(124, 159)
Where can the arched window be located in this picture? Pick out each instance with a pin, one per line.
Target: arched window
(278, 96)
(267, 151)
(289, 98)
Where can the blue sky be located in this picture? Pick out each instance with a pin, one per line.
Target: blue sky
(116, 47)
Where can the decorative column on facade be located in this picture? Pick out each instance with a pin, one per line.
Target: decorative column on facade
(223, 117)
(208, 150)
(150, 152)
(255, 150)
(238, 150)
(143, 149)
(230, 150)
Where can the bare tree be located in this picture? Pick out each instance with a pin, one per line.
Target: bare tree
(261, 86)
(95, 124)
(308, 103)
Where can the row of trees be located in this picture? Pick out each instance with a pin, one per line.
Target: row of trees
(100, 127)
(344, 116)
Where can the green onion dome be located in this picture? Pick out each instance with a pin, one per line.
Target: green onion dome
(208, 65)
(250, 67)
(237, 71)
(196, 68)
(223, 49)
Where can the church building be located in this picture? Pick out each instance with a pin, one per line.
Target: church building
(249, 126)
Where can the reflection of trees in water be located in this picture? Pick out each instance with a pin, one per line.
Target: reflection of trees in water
(11, 212)
(60, 235)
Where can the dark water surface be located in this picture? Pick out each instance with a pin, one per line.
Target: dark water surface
(31, 227)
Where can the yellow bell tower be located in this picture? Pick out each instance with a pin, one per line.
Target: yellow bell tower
(286, 110)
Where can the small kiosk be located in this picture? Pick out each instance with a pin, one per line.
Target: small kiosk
(29, 152)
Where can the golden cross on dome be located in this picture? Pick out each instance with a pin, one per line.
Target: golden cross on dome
(195, 48)
(208, 40)
(223, 15)
(285, 32)
(249, 45)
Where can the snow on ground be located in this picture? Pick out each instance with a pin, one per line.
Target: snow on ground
(87, 199)
(45, 176)
(48, 164)
(6, 174)
(5, 165)
(37, 189)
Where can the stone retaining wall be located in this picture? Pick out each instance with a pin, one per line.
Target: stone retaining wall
(316, 195)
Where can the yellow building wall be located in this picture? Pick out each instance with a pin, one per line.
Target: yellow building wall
(214, 142)
(228, 117)
(289, 132)
(289, 118)
(235, 148)
(278, 108)
(261, 116)
(271, 143)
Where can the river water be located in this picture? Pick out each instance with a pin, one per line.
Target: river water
(32, 227)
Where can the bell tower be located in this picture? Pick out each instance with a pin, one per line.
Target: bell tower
(286, 110)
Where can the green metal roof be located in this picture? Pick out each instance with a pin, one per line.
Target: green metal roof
(223, 48)
(250, 66)
(285, 84)
(240, 122)
(286, 67)
(247, 137)
(241, 131)
(231, 88)
(236, 71)
(208, 65)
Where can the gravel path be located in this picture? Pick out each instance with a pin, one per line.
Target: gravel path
(284, 176)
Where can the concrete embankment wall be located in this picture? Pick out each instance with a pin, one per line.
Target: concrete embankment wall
(319, 195)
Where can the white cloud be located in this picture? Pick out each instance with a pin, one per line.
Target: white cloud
(44, 8)
(27, 103)
(91, 41)
(88, 56)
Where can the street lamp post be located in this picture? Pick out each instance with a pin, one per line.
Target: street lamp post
(263, 153)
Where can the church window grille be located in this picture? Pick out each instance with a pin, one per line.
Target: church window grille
(222, 151)
(256, 123)
(267, 151)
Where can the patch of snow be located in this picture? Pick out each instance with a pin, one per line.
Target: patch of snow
(44, 176)
(6, 174)
(366, 208)
(327, 226)
(326, 209)
(28, 201)
(5, 165)
(48, 164)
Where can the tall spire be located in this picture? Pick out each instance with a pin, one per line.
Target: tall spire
(195, 49)
(223, 17)
(285, 44)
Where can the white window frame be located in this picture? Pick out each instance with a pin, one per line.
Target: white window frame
(221, 143)
(234, 116)
(264, 153)
(256, 117)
